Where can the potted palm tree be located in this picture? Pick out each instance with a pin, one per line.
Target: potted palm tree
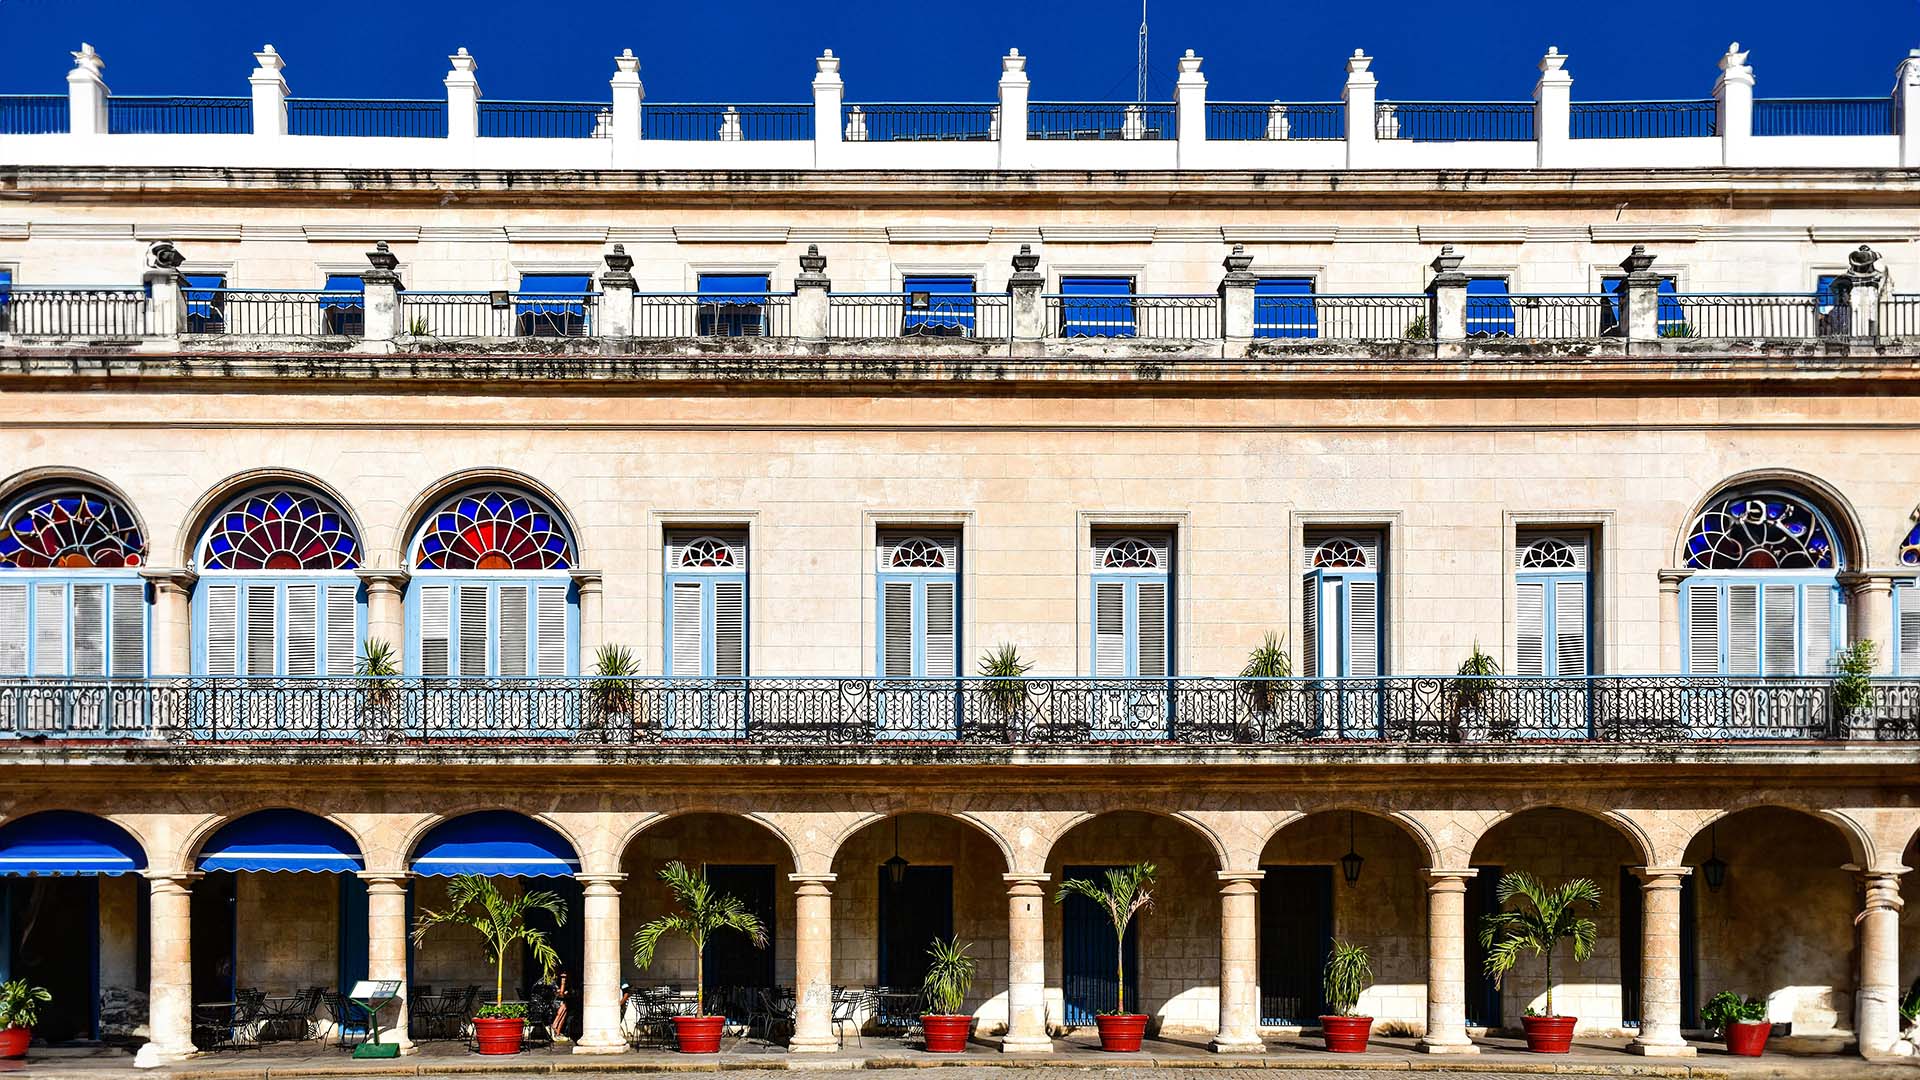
(949, 978)
(473, 901)
(1347, 975)
(1269, 661)
(1548, 915)
(19, 1011)
(704, 912)
(1004, 690)
(378, 667)
(1743, 1021)
(1128, 892)
(612, 691)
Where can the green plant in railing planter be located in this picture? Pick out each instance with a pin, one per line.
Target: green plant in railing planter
(379, 665)
(1678, 330)
(513, 1010)
(1853, 684)
(1724, 1008)
(1006, 691)
(1268, 660)
(1417, 329)
(612, 691)
(1473, 678)
(417, 326)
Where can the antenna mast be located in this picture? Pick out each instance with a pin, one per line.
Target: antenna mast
(1141, 90)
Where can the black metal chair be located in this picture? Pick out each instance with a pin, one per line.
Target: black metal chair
(234, 1025)
(543, 1004)
(351, 1020)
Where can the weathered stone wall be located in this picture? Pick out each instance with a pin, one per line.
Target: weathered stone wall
(453, 956)
(287, 928)
(123, 1004)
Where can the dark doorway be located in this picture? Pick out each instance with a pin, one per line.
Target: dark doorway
(353, 932)
(1296, 933)
(214, 944)
(732, 963)
(1483, 997)
(912, 914)
(53, 940)
(568, 939)
(1087, 954)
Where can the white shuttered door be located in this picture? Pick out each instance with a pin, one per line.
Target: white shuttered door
(482, 629)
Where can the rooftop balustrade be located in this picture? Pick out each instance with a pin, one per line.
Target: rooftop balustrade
(1733, 127)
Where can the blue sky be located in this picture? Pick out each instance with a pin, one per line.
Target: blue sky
(762, 50)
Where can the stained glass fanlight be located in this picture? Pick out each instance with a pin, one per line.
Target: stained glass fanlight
(70, 528)
(280, 529)
(1762, 530)
(1910, 548)
(493, 529)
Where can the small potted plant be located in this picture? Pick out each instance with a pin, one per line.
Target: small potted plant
(949, 978)
(1548, 915)
(1004, 690)
(1347, 975)
(1853, 683)
(1743, 1021)
(612, 691)
(704, 912)
(1268, 662)
(378, 667)
(19, 1011)
(1127, 893)
(473, 901)
(1472, 681)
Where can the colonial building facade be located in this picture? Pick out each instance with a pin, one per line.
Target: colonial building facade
(398, 489)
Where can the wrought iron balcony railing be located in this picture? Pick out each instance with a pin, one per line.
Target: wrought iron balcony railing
(1026, 712)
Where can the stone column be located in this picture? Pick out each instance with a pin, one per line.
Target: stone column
(1447, 963)
(1872, 605)
(1877, 1005)
(1864, 281)
(1639, 296)
(628, 93)
(1239, 963)
(829, 91)
(1447, 295)
(87, 93)
(616, 294)
(166, 291)
(813, 964)
(1660, 962)
(1190, 112)
(463, 97)
(1733, 106)
(382, 317)
(1906, 108)
(1359, 94)
(386, 607)
(387, 948)
(269, 93)
(1024, 287)
(600, 966)
(1026, 966)
(1012, 121)
(1553, 109)
(172, 634)
(593, 633)
(810, 288)
(1236, 295)
(170, 968)
(1670, 589)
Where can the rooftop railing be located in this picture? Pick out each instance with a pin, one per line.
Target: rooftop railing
(1823, 116)
(1454, 121)
(287, 313)
(1247, 121)
(546, 120)
(1161, 318)
(1751, 315)
(396, 713)
(179, 115)
(500, 314)
(1543, 317)
(33, 114)
(920, 315)
(712, 315)
(367, 118)
(1643, 119)
(727, 123)
(920, 122)
(81, 311)
(1102, 120)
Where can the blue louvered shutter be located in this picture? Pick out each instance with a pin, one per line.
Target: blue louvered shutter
(1283, 308)
(1489, 309)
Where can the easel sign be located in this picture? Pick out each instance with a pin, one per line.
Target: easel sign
(374, 995)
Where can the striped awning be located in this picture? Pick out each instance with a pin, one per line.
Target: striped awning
(65, 843)
(286, 841)
(495, 843)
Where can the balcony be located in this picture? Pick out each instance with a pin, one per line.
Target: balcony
(915, 715)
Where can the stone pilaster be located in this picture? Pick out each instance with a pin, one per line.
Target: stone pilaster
(387, 948)
(1639, 296)
(1360, 93)
(269, 88)
(600, 966)
(1190, 111)
(1447, 964)
(1024, 286)
(1239, 964)
(1877, 1005)
(810, 289)
(813, 964)
(1733, 106)
(829, 91)
(463, 97)
(1670, 589)
(1012, 121)
(87, 93)
(1236, 295)
(1660, 963)
(628, 94)
(1865, 279)
(616, 294)
(1026, 965)
(589, 589)
(171, 638)
(1553, 109)
(1447, 299)
(170, 968)
(380, 292)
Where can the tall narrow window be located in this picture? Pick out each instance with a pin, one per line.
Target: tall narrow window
(6, 298)
(1132, 606)
(492, 594)
(1906, 629)
(918, 592)
(277, 594)
(733, 305)
(1489, 308)
(938, 306)
(343, 309)
(1283, 308)
(1096, 307)
(1342, 626)
(552, 305)
(72, 603)
(706, 604)
(1552, 609)
(1763, 599)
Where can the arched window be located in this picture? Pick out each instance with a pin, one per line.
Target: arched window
(277, 594)
(1344, 553)
(918, 596)
(492, 595)
(1763, 599)
(1342, 631)
(72, 603)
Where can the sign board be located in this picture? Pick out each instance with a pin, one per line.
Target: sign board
(370, 989)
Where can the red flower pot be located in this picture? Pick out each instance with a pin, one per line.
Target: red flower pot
(698, 1034)
(1747, 1038)
(1121, 1034)
(1549, 1034)
(1346, 1034)
(946, 1034)
(499, 1035)
(13, 1042)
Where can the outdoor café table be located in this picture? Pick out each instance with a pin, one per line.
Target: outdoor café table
(287, 1016)
(896, 1010)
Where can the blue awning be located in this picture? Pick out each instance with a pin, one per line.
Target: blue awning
(291, 841)
(67, 843)
(494, 842)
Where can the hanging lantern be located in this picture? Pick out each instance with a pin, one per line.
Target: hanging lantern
(1351, 862)
(896, 866)
(1715, 868)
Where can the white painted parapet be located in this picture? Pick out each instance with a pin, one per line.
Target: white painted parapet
(463, 97)
(269, 93)
(87, 93)
(1360, 95)
(1190, 111)
(829, 91)
(1906, 109)
(1553, 109)
(628, 94)
(1733, 106)
(1013, 110)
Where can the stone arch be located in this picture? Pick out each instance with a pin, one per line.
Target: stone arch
(30, 480)
(626, 839)
(853, 828)
(216, 498)
(1859, 839)
(1223, 858)
(197, 837)
(1644, 849)
(1841, 513)
(1414, 829)
(410, 840)
(435, 494)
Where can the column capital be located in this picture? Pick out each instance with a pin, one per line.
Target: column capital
(823, 881)
(181, 879)
(1441, 878)
(600, 880)
(1658, 877)
(1229, 878)
(169, 577)
(395, 579)
(1671, 579)
(586, 579)
(385, 879)
(1014, 880)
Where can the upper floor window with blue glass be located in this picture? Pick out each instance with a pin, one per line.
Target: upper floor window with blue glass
(72, 603)
(1132, 605)
(277, 593)
(1283, 308)
(341, 313)
(938, 306)
(1763, 598)
(552, 305)
(206, 303)
(733, 305)
(492, 593)
(1489, 307)
(1096, 307)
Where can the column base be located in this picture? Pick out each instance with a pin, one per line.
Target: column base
(801, 1044)
(154, 1055)
(1663, 1050)
(1460, 1049)
(1012, 1045)
(1222, 1045)
(590, 1045)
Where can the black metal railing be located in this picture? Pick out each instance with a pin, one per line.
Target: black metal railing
(368, 117)
(179, 115)
(688, 315)
(1060, 712)
(1163, 318)
(1102, 120)
(1277, 121)
(1750, 315)
(1454, 121)
(1823, 116)
(726, 123)
(546, 120)
(1900, 315)
(500, 314)
(33, 114)
(73, 311)
(1643, 119)
(920, 122)
(1319, 316)
(276, 312)
(925, 315)
(1543, 316)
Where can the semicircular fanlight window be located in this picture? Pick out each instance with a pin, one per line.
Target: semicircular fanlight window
(493, 529)
(280, 529)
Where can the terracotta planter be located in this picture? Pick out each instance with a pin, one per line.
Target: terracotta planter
(1346, 1034)
(13, 1041)
(499, 1035)
(1121, 1034)
(946, 1034)
(1549, 1034)
(698, 1034)
(1748, 1038)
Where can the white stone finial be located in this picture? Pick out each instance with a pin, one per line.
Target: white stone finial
(1013, 62)
(827, 63)
(1553, 66)
(1190, 64)
(268, 60)
(462, 60)
(1735, 58)
(1359, 62)
(626, 63)
(87, 59)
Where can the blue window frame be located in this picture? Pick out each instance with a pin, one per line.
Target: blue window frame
(249, 624)
(73, 625)
(1552, 612)
(1906, 629)
(1096, 307)
(1343, 631)
(552, 305)
(1283, 308)
(1489, 310)
(938, 306)
(706, 633)
(206, 304)
(917, 598)
(510, 625)
(1670, 315)
(1826, 303)
(343, 315)
(1746, 624)
(1130, 608)
(733, 305)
